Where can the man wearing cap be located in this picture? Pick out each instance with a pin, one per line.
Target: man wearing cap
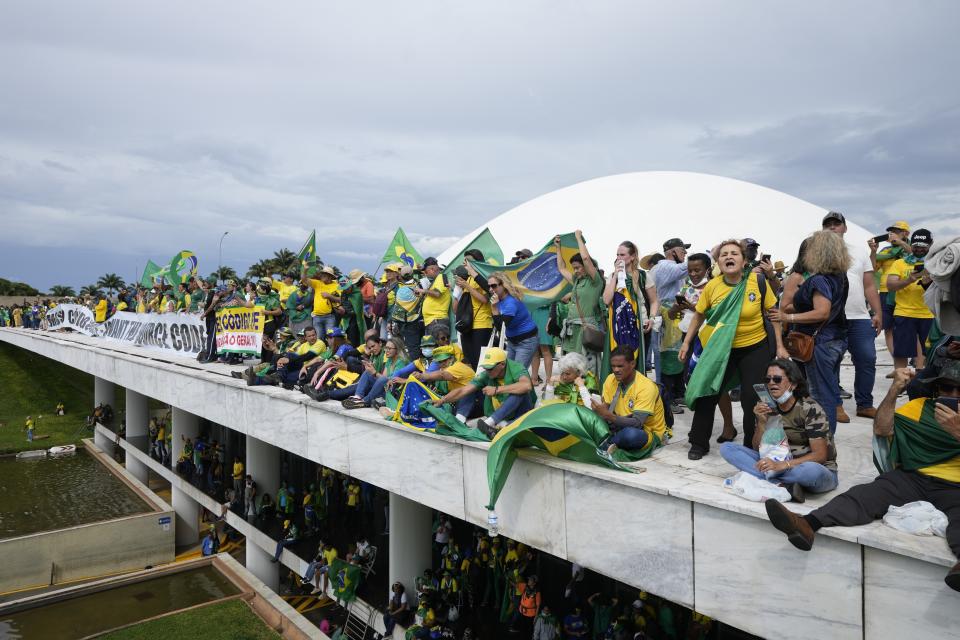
(757, 265)
(351, 307)
(208, 314)
(912, 318)
(270, 301)
(325, 297)
(448, 369)
(285, 286)
(863, 323)
(506, 387)
(924, 458)
(668, 275)
(407, 316)
(898, 235)
(436, 289)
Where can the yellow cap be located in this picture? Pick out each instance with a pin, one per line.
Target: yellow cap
(899, 225)
(493, 357)
(443, 353)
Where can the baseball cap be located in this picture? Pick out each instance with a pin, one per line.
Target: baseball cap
(921, 237)
(336, 332)
(750, 242)
(524, 254)
(428, 341)
(673, 243)
(493, 357)
(834, 215)
(443, 353)
(949, 371)
(430, 262)
(393, 266)
(343, 351)
(899, 225)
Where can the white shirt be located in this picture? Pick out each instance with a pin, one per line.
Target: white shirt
(856, 308)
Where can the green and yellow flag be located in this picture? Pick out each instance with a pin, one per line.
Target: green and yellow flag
(486, 244)
(918, 439)
(564, 430)
(400, 250)
(149, 272)
(345, 578)
(415, 409)
(537, 277)
(183, 266)
(308, 252)
(717, 334)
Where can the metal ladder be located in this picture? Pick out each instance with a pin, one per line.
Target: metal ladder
(360, 617)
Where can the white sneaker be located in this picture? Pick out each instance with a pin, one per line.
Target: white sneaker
(462, 418)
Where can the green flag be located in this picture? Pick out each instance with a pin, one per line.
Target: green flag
(486, 243)
(308, 252)
(721, 326)
(918, 439)
(561, 429)
(448, 425)
(400, 250)
(345, 578)
(146, 280)
(537, 277)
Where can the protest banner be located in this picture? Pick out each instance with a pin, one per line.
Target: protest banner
(240, 330)
(72, 316)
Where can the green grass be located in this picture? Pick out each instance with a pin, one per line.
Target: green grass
(31, 385)
(231, 620)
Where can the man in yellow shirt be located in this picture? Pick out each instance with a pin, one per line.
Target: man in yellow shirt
(457, 375)
(436, 301)
(912, 318)
(237, 479)
(631, 405)
(285, 287)
(925, 462)
(325, 298)
(100, 311)
(898, 235)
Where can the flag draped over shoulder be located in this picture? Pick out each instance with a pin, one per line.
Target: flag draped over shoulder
(149, 271)
(415, 409)
(537, 277)
(486, 244)
(345, 579)
(918, 439)
(564, 430)
(718, 332)
(400, 250)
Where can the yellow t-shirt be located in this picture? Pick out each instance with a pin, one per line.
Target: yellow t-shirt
(482, 312)
(283, 289)
(322, 306)
(750, 329)
(437, 308)
(329, 555)
(317, 347)
(642, 395)
(237, 470)
(883, 270)
(462, 375)
(100, 311)
(353, 495)
(910, 302)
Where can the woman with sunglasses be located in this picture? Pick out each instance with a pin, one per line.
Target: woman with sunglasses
(521, 330)
(813, 463)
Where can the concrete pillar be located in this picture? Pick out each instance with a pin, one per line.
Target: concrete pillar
(188, 518)
(185, 424)
(137, 417)
(263, 463)
(410, 539)
(104, 392)
(260, 563)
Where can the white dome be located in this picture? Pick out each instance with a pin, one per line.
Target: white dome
(653, 206)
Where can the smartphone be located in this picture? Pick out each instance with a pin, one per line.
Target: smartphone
(681, 299)
(917, 268)
(881, 238)
(953, 403)
(764, 394)
(765, 257)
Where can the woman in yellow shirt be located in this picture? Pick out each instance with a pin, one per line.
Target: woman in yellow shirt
(750, 352)
(476, 287)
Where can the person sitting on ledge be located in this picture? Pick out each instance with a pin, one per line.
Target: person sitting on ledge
(631, 406)
(813, 466)
(506, 386)
(377, 372)
(446, 374)
(575, 381)
(925, 454)
(290, 535)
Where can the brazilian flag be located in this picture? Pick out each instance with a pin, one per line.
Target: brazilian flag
(918, 439)
(400, 250)
(717, 336)
(345, 578)
(564, 430)
(415, 409)
(308, 252)
(537, 277)
(183, 266)
(150, 271)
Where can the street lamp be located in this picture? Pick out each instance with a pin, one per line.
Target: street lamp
(220, 259)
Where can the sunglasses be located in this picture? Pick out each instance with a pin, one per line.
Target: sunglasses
(774, 379)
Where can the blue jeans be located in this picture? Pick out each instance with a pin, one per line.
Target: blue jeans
(368, 387)
(471, 405)
(812, 476)
(323, 324)
(822, 376)
(523, 351)
(630, 438)
(863, 351)
(513, 407)
(655, 349)
(280, 547)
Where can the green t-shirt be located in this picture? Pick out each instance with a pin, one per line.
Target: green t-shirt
(270, 301)
(295, 299)
(513, 372)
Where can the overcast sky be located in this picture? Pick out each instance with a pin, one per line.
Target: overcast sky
(130, 131)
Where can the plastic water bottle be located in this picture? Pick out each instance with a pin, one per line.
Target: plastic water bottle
(493, 524)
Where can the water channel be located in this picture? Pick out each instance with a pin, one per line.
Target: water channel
(97, 612)
(45, 494)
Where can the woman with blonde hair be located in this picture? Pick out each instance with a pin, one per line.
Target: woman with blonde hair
(817, 309)
(624, 295)
(736, 343)
(518, 324)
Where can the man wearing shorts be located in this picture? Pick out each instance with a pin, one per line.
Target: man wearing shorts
(912, 318)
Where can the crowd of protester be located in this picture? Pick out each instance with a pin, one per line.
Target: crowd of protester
(357, 339)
